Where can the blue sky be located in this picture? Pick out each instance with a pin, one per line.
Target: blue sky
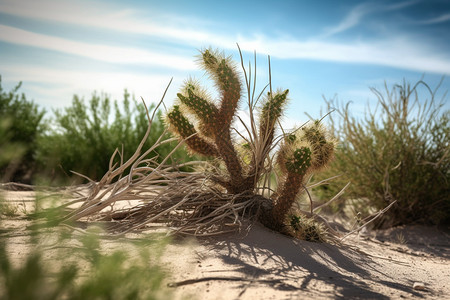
(317, 48)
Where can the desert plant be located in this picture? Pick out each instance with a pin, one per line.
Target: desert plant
(97, 129)
(49, 272)
(230, 187)
(21, 122)
(398, 152)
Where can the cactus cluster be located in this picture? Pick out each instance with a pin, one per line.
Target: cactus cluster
(205, 125)
(301, 154)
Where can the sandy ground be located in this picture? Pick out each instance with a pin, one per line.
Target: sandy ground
(402, 263)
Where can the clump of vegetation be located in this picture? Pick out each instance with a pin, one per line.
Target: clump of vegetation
(399, 152)
(49, 272)
(97, 129)
(62, 263)
(231, 185)
(21, 123)
(37, 149)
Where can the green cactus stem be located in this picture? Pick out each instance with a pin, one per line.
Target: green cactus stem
(205, 111)
(300, 161)
(270, 113)
(322, 147)
(227, 80)
(181, 126)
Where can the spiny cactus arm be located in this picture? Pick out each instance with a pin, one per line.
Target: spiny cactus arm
(231, 87)
(198, 103)
(271, 111)
(322, 145)
(227, 80)
(295, 164)
(180, 125)
(235, 183)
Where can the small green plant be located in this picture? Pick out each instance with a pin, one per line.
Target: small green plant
(307, 229)
(8, 209)
(399, 152)
(82, 270)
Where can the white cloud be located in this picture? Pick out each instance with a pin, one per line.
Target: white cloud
(395, 52)
(64, 83)
(400, 51)
(359, 12)
(111, 54)
(351, 19)
(101, 15)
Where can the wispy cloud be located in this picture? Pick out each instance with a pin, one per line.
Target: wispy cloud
(393, 51)
(351, 20)
(49, 83)
(440, 19)
(360, 12)
(99, 52)
(101, 15)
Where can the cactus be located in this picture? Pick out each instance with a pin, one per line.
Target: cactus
(322, 146)
(271, 111)
(301, 153)
(179, 125)
(214, 123)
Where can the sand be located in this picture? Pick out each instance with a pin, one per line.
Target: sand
(411, 262)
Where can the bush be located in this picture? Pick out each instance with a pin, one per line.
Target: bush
(21, 122)
(84, 136)
(398, 152)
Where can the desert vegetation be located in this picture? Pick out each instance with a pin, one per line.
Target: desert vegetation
(233, 184)
(397, 151)
(45, 149)
(188, 169)
(21, 124)
(66, 264)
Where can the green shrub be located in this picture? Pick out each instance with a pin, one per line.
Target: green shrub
(84, 136)
(399, 151)
(21, 122)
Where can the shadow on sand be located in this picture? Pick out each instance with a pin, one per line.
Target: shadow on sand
(286, 264)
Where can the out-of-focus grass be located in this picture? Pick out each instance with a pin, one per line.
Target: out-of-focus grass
(64, 264)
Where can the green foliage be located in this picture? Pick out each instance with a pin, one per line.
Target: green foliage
(84, 136)
(82, 270)
(399, 152)
(78, 138)
(21, 122)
